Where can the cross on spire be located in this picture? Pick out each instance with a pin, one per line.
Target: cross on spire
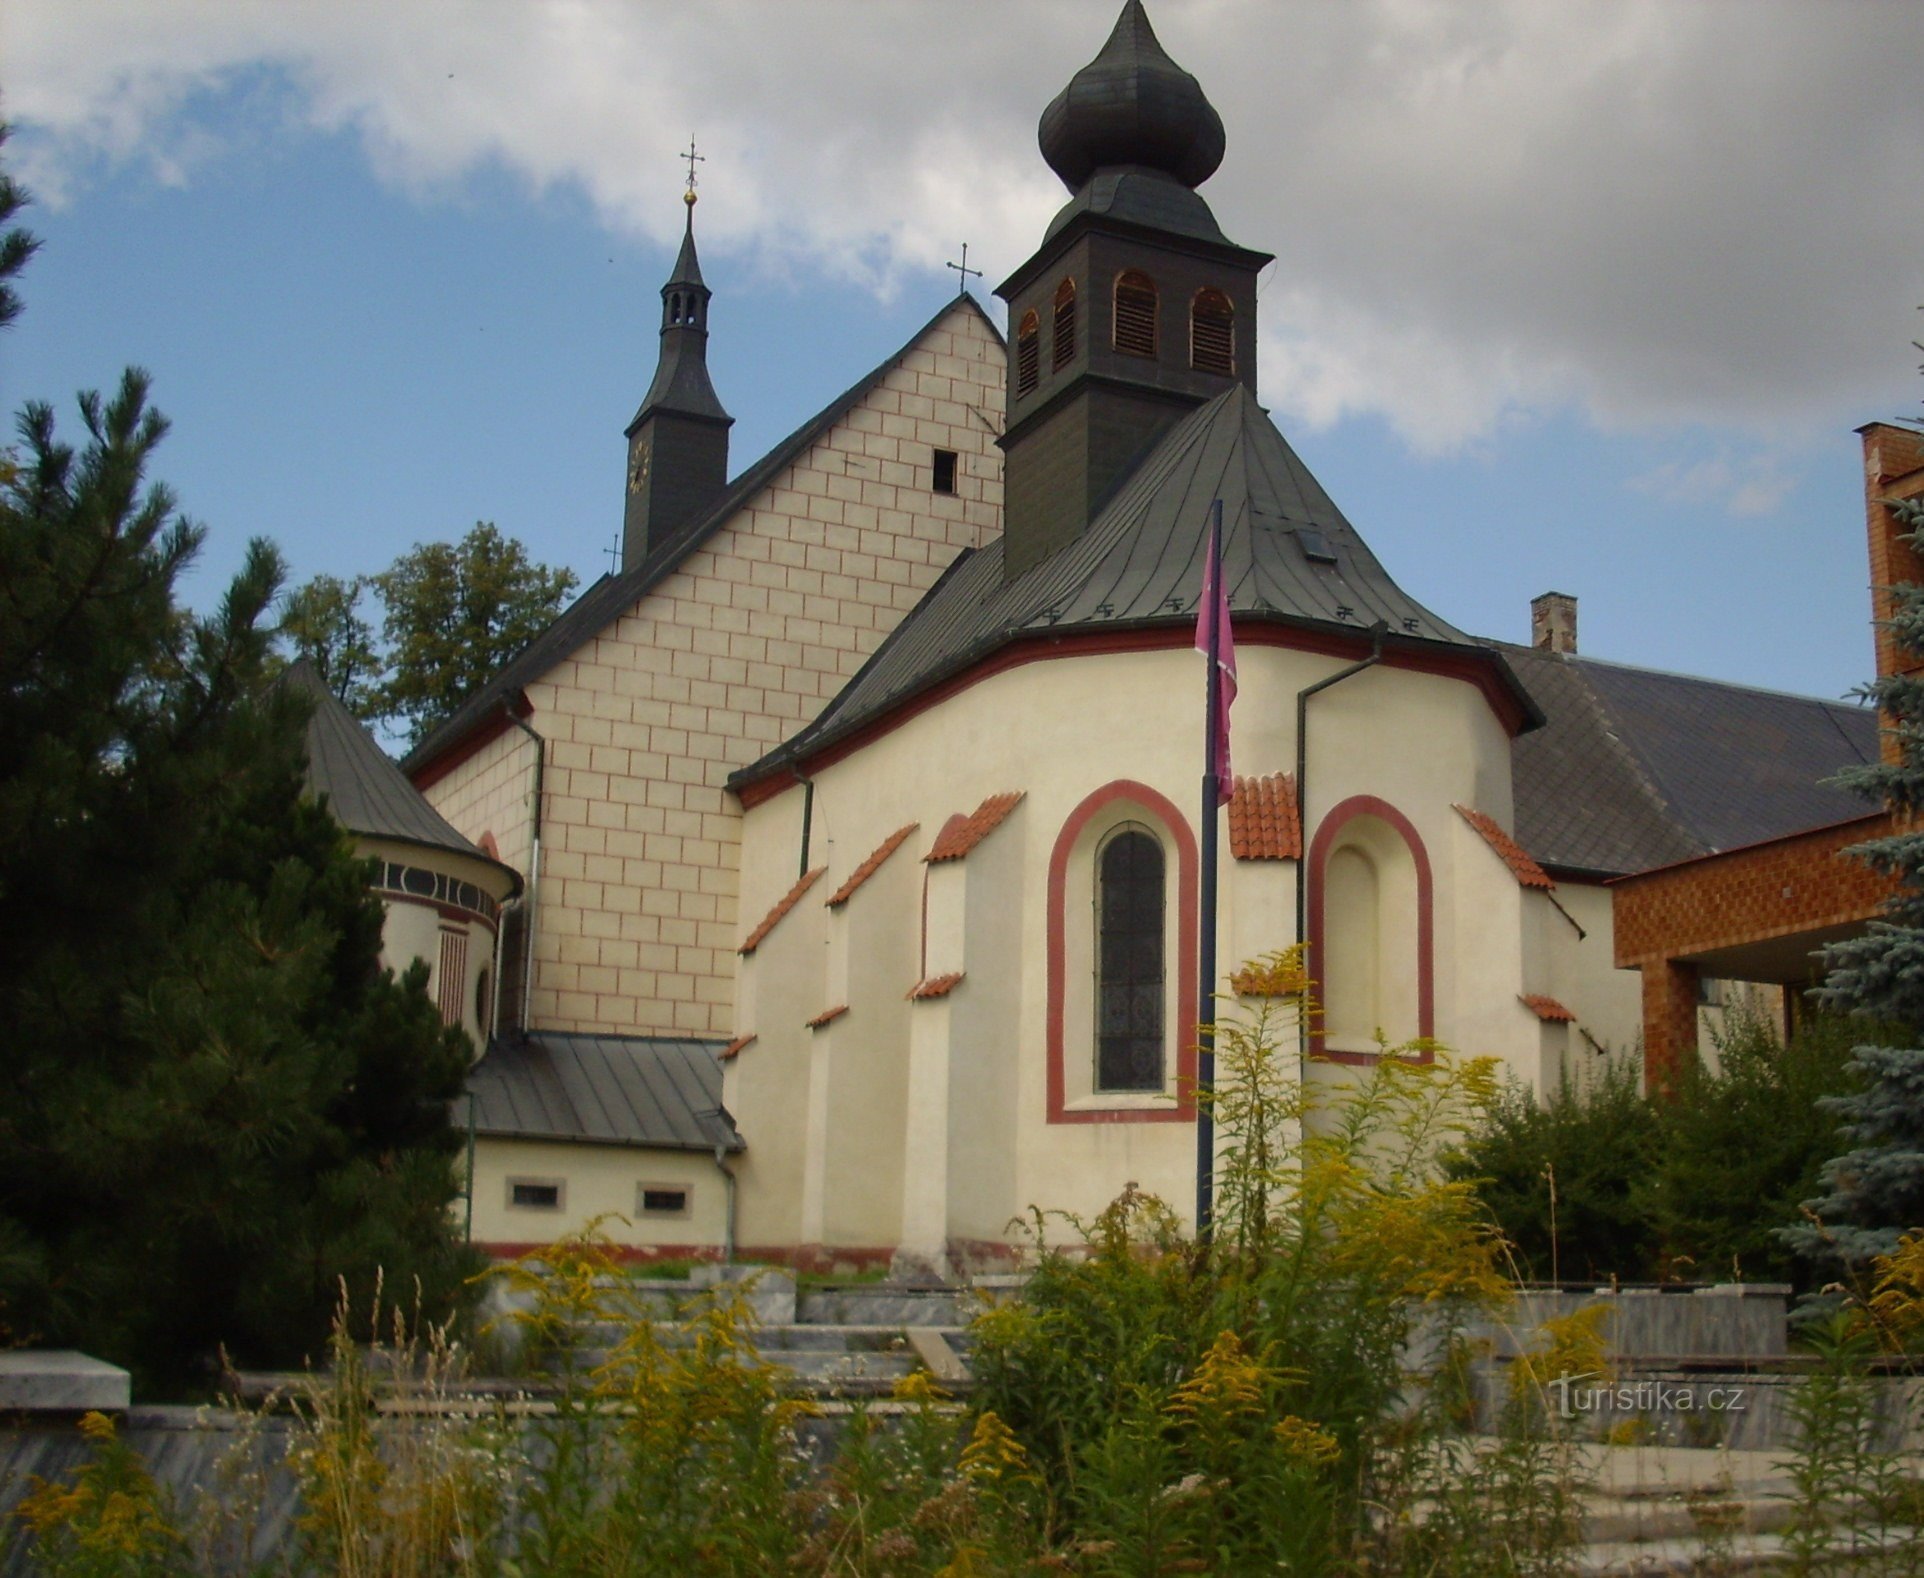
(613, 551)
(963, 269)
(693, 159)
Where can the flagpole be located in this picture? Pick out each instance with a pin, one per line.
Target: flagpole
(1206, 963)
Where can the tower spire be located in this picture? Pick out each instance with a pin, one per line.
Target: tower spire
(678, 441)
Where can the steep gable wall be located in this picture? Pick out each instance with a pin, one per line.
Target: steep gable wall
(744, 643)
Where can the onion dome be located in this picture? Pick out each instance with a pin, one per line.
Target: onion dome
(1132, 105)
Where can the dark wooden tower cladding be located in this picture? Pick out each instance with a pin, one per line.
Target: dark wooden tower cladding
(1135, 309)
(678, 441)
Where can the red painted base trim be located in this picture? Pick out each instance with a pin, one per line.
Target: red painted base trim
(625, 1254)
(1183, 1109)
(1319, 853)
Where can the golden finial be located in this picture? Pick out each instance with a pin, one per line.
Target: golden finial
(693, 159)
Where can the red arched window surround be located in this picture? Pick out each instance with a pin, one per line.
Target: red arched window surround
(1319, 852)
(1156, 808)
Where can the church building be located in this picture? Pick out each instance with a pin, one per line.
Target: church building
(857, 814)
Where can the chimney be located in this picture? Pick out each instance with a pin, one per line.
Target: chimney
(1553, 622)
(1893, 469)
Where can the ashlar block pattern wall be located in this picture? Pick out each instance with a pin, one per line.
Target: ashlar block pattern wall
(737, 649)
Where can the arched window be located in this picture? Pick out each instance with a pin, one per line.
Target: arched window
(1352, 966)
(1370, 931)
(1130, 1028)
(1135, 313)
(1212, 333)
(1064, 326)
(1028, 353)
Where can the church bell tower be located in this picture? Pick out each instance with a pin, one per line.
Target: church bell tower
(678, 441)
(1135, 309)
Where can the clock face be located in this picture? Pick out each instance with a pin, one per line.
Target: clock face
(638, 468)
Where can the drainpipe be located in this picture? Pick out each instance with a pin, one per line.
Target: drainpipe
(1376, 633)
(467, 1231)
(728, 1224)
(534, 867)
(808, 816)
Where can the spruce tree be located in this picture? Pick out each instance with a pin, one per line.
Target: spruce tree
(1875, 1190)
(213, 1102)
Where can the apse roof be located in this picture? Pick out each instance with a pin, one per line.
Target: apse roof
(612, 595)
(1289, 555)
(1637, 768)
(603, 1090)
(365, 789)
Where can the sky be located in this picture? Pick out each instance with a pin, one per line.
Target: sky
(1584, 297)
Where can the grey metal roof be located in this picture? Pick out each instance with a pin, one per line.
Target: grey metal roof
(613, 595)
(367, 792)
(603, 1090)
(1140, 564)
(1637, 768)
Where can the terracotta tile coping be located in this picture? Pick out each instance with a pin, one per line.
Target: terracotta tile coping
(962, 833)
(1547, 1009)
(735, 1046)
(1508, 850)
(827, 1016)
(869, 867)
(935, 986)
(1264, 823)
(782, 906)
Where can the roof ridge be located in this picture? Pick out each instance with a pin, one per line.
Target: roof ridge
(554, 644)
(1584, 660)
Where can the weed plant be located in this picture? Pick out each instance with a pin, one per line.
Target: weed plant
(1295, 1396)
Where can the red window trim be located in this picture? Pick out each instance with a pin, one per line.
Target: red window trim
(1162, 811)
(1319, 853)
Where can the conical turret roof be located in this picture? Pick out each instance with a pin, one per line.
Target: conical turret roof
(365, 789)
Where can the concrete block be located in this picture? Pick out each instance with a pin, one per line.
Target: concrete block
(60, 1380)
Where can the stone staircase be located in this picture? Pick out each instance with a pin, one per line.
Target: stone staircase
(851, 1341)
(1657, 1509)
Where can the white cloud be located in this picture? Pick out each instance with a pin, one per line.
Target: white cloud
(1651, 212)
(1743, 487)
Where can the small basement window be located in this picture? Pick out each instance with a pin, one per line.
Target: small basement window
(945, 471)
(535, 1194)
(663, 1200)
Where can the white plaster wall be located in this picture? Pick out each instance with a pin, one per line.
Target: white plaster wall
(1580, 972)
(411, 928)
(598, 1180)
(1059, 730)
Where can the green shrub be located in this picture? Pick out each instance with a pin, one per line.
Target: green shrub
(1567, 1178)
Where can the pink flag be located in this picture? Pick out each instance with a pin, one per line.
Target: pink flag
(1216, 642)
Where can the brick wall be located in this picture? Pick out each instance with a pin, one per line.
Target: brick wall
(1893, 469)
(1798, 884)
(732, 653)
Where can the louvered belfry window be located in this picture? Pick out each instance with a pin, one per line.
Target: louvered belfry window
(1212, 333)
(1129, 963)
(1065, 325)
(1028, 353)
(1135, 313)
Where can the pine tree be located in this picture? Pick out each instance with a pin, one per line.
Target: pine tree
(213, 1102)
(1875, 1190)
